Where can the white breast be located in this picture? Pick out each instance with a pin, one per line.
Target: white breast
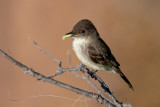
(80, 48)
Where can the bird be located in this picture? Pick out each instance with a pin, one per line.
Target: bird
(92, 51)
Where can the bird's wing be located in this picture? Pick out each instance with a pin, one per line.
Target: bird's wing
(100, 53)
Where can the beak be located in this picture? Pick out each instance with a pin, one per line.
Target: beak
(67, 35)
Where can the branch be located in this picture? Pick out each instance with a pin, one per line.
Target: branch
(82, 68)
(39, 76)
(98, 97)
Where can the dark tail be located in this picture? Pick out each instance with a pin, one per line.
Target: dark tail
(124, 78)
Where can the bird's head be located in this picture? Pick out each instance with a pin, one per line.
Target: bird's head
(83, 28)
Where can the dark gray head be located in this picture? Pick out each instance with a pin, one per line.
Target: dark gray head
(84, 28)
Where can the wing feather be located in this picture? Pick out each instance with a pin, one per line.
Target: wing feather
(100, 53)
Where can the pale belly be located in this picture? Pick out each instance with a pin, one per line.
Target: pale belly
(80, 48)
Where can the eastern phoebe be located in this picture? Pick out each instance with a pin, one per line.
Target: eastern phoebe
(92, 51)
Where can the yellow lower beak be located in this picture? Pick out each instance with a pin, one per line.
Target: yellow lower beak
(66, 36)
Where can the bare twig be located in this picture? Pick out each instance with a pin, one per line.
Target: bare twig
(39, 76)
(99, 98)
(56, 60)
(82, 68)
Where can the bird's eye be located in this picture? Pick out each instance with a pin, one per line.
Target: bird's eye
(82, 31)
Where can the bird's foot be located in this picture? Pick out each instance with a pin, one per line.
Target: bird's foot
(82, 67)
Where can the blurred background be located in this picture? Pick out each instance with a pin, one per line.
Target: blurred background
(130, 28)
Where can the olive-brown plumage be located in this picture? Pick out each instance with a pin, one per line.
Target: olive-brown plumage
(92, 50)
